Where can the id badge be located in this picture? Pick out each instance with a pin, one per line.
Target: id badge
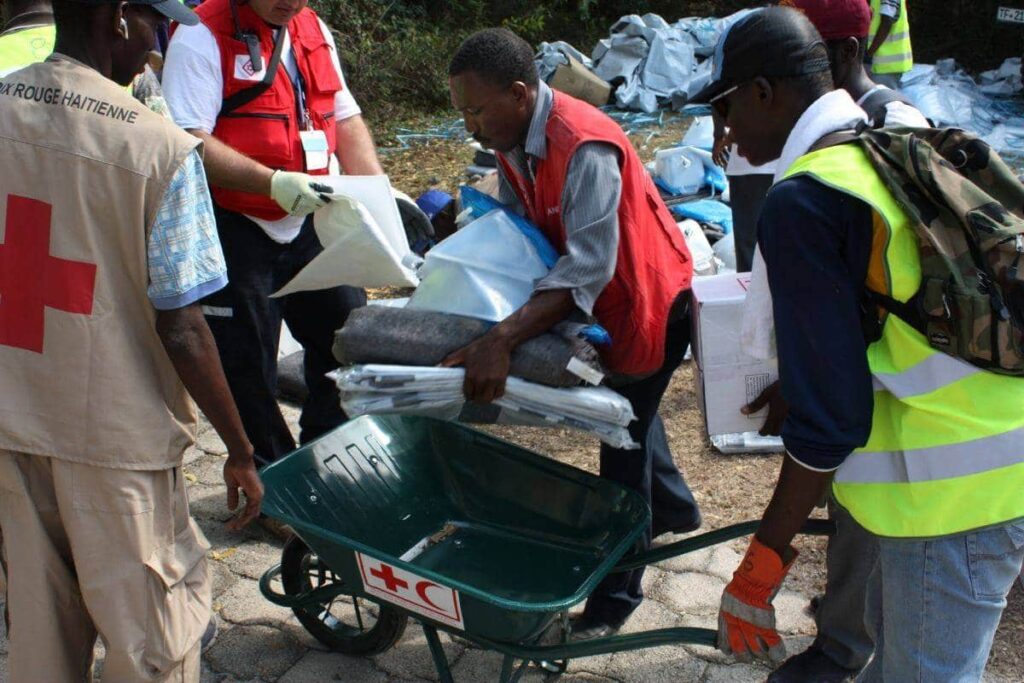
(314, 147)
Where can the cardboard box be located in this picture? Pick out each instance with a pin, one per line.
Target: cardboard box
(727, 378)
(580, 82)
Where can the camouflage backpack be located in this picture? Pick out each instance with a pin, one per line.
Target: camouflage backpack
(967, 209)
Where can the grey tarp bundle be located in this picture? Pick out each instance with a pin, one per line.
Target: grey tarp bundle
(552, 55)
(437, 392)
(658, 62)
(990, 108)
(404, 336)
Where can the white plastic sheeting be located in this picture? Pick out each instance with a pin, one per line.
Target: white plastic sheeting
(704, 261)
(679, 169)
(701, 133)
(552, 55)
(486, 270)
(363, 239)
(437, 392)
(658, 62)
(989, 108)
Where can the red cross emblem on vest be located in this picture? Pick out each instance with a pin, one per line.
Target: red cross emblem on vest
(31, 280)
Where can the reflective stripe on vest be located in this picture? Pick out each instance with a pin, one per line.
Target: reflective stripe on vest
(946, 450)
(931, 374)
(931, 464)
(895, 55)
(19, 48)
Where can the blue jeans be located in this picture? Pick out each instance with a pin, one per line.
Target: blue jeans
(933, 606)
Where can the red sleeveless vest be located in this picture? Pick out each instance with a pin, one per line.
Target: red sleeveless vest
(653, 265)
(267, 128)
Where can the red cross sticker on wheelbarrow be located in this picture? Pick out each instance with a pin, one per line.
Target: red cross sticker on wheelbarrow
(411, 592)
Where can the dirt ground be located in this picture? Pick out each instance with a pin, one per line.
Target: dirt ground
(728, 488)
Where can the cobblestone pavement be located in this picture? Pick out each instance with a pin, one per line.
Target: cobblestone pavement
(260, 642)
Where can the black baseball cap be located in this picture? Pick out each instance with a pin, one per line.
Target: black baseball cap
(771, 42)
(172, 9)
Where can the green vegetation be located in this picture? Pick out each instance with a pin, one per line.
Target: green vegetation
(396, 52)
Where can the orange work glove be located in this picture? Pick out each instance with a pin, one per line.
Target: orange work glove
(746, 620)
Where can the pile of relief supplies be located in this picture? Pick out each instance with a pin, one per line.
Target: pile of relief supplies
(466, 283)
(989, 106)
(648, 62)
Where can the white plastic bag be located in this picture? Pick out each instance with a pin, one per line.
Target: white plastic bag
(486, 270)
(680, 170)
(704, 262)
(725, 251)
(363, 239)
(701, 133)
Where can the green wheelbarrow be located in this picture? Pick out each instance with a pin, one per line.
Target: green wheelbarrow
(400, 517)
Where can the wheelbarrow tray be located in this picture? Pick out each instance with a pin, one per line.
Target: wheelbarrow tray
(515, 536)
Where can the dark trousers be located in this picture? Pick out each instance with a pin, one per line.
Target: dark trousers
(246, 324)
(850, 557)
(649, 471)
(746, 196)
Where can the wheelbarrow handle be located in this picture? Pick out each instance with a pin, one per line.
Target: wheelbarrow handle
(606, 645)
(812, 527)
(316, 596)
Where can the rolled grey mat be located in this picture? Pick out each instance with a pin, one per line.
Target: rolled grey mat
(405, 336)
(291, 379)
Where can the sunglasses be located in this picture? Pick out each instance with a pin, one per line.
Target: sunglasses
(720, 102)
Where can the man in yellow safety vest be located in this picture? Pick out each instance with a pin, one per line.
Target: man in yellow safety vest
(27, 36)
(924, 451)
(889, 51)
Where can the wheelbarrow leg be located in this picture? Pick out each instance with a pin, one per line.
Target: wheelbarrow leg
(444, 673)
(510, 673)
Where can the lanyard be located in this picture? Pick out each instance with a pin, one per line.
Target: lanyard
(299, 86)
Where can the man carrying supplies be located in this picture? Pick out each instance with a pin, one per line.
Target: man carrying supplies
(923, 450)
(889, 52)
(843, 645)
(260, 84)
(573, 172)
(108, 245)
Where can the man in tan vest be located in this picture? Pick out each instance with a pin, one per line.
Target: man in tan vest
(107, 244)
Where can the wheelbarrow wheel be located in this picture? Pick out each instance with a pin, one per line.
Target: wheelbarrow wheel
(348, 624)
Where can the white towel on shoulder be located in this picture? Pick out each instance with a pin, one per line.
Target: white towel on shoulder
(829, 113)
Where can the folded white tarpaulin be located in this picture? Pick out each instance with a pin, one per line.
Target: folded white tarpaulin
(989, 108)
(363, 239)
(437, 392)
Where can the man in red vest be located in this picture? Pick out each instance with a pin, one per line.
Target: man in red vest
(571, 170)
(260, 84)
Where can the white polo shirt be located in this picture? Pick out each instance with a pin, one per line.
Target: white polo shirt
(194, 89)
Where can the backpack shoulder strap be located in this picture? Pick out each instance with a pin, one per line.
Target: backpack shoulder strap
(244, 97)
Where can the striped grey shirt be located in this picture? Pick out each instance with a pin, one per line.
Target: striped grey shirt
(590, 208)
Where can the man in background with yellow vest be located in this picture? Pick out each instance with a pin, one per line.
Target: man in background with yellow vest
(27, 35)
(259, 82)
(108, 246)
(889, 51)
(924, 451)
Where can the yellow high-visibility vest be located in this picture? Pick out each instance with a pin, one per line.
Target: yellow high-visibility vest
(895, 55)
(946, 450)
(21, 47)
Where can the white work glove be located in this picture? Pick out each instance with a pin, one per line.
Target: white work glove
(298, 193)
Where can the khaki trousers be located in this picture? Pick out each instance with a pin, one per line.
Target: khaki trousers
(90, 552)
